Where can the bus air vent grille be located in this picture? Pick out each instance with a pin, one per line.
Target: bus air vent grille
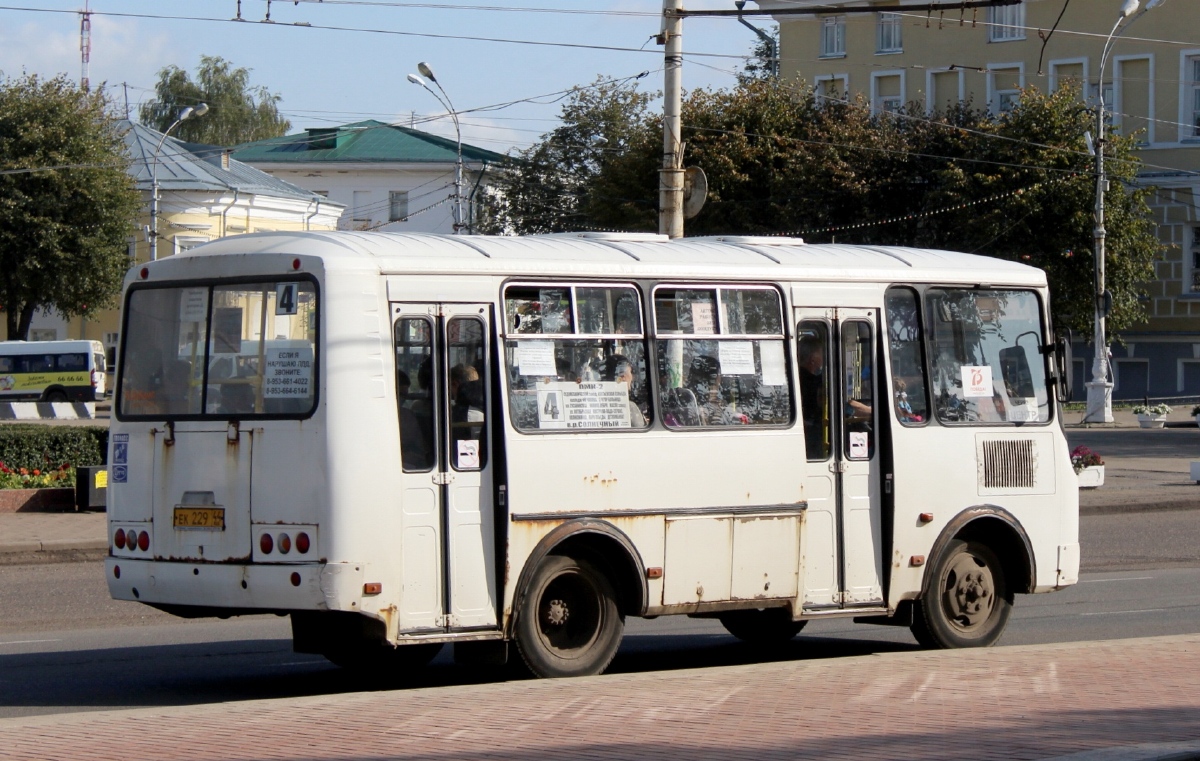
(1009, 464)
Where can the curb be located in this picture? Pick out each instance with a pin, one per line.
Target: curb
(1176, 751)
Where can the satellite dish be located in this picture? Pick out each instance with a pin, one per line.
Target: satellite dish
(695, 191)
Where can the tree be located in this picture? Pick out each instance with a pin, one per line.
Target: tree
(781, 160)
(238, 112)
(551, 187)
(68, 206)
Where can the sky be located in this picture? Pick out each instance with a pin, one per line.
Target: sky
(336, 76)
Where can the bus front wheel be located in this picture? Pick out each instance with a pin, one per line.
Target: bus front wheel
(967, 602)
(568, 623)
(767, 626)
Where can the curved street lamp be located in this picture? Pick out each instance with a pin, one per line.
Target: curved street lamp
(184, 113)
(1099, 390)
(444, 99)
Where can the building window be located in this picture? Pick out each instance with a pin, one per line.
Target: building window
(887, 92)
(398, 206)
(1193, 84)
(1004, 87)
(833, 36)
(832, 87)
(1006, 22)
(1195, 260)
(43, 334)
(887, 39)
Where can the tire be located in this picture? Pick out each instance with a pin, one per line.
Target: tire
(966, 602)
(765, 626)
(568, 623)
(56, 396)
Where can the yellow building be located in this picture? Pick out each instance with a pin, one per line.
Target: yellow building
(203, 195)
(924, 61)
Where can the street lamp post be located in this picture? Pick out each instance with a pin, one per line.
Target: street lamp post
(444, 99)
(1099, 390)
(184, 113)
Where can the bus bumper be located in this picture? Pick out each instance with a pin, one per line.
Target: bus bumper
(237, 587)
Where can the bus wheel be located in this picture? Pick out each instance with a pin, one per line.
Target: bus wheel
(568, 623)
(967, 602)
(56, 396)
(766, 626)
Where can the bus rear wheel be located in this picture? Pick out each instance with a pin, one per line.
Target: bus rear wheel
(568, 623)
(56, 396)
(765, 626)
(967, 602)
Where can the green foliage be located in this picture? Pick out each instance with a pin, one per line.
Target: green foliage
(238, 112)
(63, 231)
(779, 160)
(550, 186)
(49, 447)
(761, 62)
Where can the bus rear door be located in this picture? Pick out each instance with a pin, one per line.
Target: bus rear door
(448, 547)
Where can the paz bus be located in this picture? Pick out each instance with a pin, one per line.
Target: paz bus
(403, 441)
(52, 371)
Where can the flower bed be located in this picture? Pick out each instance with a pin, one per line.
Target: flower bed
(36, 500)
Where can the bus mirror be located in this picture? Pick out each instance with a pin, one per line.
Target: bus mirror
(1064, 363)
(1018, 378)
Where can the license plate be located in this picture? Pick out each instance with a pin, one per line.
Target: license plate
(200, 517)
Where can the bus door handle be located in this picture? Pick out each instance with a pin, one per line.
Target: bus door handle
(443, 479)
(837, 466)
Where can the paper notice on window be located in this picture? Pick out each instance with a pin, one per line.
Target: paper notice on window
(702, 318)
(468, 454)
(193, 305)
(536, 358)
(774, 368)
(737, 357)
(977, 381)
(288, 372)
(860, 445)
(595, 405)
(1022, 410)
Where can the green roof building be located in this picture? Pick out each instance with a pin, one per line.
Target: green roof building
(388, 177)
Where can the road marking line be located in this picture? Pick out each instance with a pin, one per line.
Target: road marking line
(1105, 581)
(29, 641)
(1123, 612)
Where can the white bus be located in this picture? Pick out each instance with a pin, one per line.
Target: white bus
(478, 440)
(52, 371)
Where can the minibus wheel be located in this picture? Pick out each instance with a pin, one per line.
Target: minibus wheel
(966, 601)
(765, 626)
(56, 396)
(568, 623)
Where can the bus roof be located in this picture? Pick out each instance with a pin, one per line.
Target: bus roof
(626, 256)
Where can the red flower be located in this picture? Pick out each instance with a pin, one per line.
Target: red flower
(37, 472)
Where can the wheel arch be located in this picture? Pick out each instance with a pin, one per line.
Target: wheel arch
(1002, 533)
(56, 388)
(600, 543)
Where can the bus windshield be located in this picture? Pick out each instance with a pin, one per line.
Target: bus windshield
(199, 351)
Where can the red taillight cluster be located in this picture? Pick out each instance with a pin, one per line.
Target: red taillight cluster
(268, 544)
(131, 540)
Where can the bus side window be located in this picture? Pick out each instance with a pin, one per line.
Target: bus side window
(414, 392)
(813, 349)
(6, 365)
(909, 400)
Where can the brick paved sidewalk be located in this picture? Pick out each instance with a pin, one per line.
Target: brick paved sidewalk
(1031, 702)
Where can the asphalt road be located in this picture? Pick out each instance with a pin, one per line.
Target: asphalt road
(65, 646)
(1135, 442)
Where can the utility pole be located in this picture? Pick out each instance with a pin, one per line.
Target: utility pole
(85, 44)
(670, 182)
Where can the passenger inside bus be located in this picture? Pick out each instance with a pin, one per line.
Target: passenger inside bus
(814, 396)
(618, 369)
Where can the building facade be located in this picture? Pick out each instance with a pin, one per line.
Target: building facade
(204, 194)
(387, 177)
(922, 61)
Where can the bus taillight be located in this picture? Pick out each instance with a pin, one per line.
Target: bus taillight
(302, 542)
(143, 541)
(119, 539)
(266, 544)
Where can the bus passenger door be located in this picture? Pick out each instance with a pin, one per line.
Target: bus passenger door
(836, 356)
(448, 527)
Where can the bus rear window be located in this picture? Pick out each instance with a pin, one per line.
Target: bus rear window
(220, 351)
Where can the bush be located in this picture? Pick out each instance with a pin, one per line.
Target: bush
(48, 447)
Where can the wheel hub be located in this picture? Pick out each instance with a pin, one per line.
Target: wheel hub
(969, 592)
(557, 613)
